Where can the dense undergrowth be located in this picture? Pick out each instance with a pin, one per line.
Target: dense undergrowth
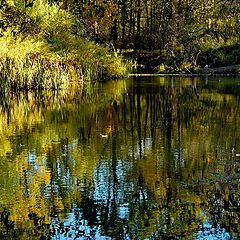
(42, 46)
(203, 57)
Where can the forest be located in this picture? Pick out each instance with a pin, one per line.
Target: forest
(101, 39)
(170, 34)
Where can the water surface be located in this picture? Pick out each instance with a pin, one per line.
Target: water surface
(141, 158)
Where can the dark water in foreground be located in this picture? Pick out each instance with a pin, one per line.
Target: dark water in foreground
(146, 158)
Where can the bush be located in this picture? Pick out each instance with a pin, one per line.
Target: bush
(48, 53)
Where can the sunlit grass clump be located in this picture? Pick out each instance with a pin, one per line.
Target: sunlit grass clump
(42, 47)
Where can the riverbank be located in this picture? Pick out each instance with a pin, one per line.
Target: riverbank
(216, 61)
(44, 47)
(227, 70)
(233, 69)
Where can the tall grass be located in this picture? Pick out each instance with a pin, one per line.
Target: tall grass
(44, 49)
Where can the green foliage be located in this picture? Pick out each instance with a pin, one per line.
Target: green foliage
(222, 56)
(40, 47)
(55, 25)
(162, 68)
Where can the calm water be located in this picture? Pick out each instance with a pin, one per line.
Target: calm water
(145, 158)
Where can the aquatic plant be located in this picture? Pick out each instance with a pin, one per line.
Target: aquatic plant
(44, 48)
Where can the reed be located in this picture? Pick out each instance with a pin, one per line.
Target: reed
(47, 55)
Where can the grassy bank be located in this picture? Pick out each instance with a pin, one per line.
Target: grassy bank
(42, 46)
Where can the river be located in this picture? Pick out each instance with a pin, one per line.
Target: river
(138, 158)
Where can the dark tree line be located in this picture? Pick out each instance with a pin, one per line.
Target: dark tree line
(182, 31)
(185, 33)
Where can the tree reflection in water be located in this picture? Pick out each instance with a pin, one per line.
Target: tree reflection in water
(152, 158)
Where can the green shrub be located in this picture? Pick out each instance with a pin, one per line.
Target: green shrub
(47, 54)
